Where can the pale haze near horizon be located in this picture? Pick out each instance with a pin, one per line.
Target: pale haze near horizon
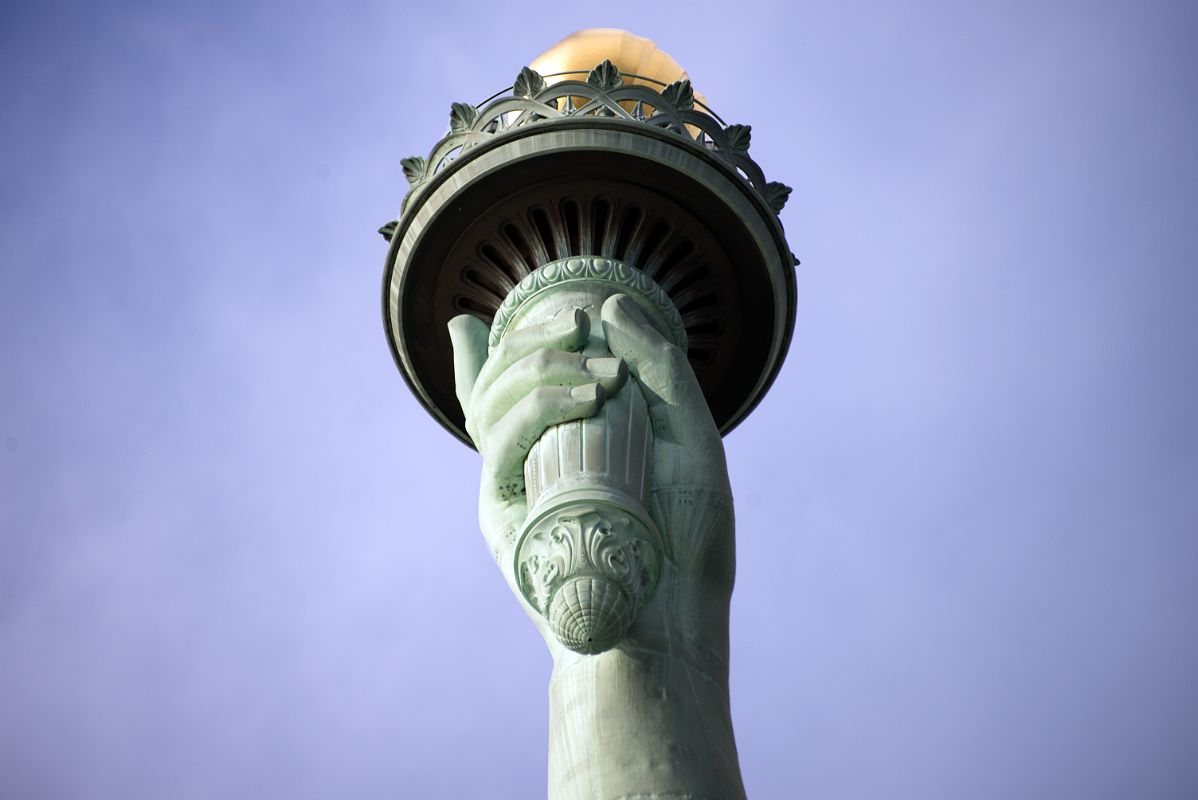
(238, 560)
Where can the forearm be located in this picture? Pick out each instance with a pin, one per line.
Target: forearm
(633, 725)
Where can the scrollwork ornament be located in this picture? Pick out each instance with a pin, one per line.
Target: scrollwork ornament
(588, 573)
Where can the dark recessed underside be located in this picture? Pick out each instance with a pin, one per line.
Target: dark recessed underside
(496, 217)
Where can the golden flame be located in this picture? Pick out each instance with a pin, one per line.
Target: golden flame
(583, 50)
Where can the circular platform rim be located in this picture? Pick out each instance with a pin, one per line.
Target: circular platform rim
(601, 127)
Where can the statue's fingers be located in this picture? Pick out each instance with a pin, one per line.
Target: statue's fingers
(567, 332)
(510, 439)
(671, 387)
(631, 336)
(469, 338)
(545, 368)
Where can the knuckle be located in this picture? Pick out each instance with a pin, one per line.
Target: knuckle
(542, 395)
(672, 357)
(500, 353)
(478, 408)
(494, 446)
(480, 439)
(541, 360)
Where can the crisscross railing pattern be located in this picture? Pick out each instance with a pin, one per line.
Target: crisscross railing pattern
(532, 101)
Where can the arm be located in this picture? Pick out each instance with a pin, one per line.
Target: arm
(650, 717)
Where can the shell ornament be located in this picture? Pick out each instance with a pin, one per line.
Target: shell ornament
(588, 574)
(590, 614)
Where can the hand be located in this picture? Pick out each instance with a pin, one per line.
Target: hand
(534, 379)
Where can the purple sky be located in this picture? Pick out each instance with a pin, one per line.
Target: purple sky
(237, 560)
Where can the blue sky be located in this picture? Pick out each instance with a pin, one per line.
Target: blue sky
(237, 560)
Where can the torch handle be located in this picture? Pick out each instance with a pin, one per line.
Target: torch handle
(589, 553)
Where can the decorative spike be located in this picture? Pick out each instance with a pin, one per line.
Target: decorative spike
(388, 230)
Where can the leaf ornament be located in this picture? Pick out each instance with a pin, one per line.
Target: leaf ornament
(605, 77)
(739, 137)
(680, 95)
(461, 117)
(529, 83)
(414, 169)
(776, 195)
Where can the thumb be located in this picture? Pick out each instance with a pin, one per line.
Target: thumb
(675, 399)
(629, 333)
(469, 338)
(656, 361)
